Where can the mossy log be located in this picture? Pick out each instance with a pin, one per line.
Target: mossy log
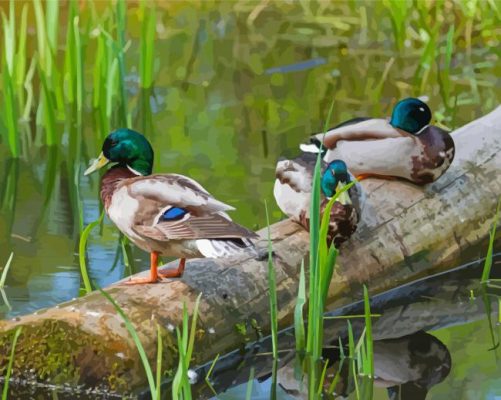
(407, 232)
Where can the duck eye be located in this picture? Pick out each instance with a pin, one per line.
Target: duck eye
(421, 109)
(113, 143)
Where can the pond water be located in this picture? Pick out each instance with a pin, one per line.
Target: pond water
(458, 356)
(236, 86)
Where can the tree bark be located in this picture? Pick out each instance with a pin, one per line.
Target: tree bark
(406, 232)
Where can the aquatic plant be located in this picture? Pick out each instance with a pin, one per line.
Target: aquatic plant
(139, 346)
(5, 270)
(181, 387)
(272, 285)
(486, 272)
(5, 391)
(82, 247)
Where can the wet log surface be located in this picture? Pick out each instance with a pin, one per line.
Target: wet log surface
(407, 232)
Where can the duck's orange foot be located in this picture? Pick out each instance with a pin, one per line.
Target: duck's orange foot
(142, 281)
(174, 273)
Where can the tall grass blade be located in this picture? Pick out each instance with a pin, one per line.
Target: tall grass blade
(146, 60)
(248, 392)
(298, 313)
(10, 113)
(82, 247)
(181, 388)
(209, 373)
(20, 67)
(43, 49)
(9, 31)
(52, 23)
(319, 272)
(121, 29)
(272, 284)
(160, 351)
(368, 350)
(48, 107)
(135, 337)
(5, 270)
(486, 272)
(5, 391)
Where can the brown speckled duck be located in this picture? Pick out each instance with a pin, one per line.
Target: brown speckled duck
(405, 146)
(292, 191)
(163, 214)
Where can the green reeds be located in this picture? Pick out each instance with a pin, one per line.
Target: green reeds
(399, 11)
(137, 342)
(5, 270)
(82, 246)
(486, 272)
(366, 355)
(181, 388)
(299, 332)
(160, 351)
(121, 23)
(322, 261)
(52, 99)
(146, 60)
(248, 391)
(272, 285)
(444, 72)
(74, 80)
(209, 373)
(5, 391)
(10, 113)
(8, 71)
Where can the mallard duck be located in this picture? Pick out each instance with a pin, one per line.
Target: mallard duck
(292, 191)
(163, 214)
(405, 146)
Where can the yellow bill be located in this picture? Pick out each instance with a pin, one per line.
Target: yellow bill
(344, 198)
(98, 163)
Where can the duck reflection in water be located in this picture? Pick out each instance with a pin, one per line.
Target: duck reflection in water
(407, 366)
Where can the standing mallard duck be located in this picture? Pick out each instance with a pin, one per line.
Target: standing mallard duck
(405, 146)
(163, 214)
(292, 191)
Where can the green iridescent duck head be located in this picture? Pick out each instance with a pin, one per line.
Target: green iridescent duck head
(129, 149)
(410, 115)
(334, 178)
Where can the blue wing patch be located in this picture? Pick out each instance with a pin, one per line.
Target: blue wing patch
(173, 214)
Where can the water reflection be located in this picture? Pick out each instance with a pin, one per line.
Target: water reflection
(407, 366)
(409, 360)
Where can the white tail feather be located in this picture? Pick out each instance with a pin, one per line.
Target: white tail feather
(309, 148)
(220, 248)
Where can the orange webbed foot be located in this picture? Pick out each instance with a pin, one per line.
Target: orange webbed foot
(174, 273)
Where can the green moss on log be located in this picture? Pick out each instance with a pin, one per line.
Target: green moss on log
(56, 352)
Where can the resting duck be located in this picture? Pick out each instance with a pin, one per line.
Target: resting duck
(163, 214)
(405, 146)
(292, 191)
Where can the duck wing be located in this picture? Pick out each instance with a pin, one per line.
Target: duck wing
(357, 129)
(175, 207)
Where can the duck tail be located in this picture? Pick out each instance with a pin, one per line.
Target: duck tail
(220, 248)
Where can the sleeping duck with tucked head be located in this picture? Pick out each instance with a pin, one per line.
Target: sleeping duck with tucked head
(164, 214)
(405, 146)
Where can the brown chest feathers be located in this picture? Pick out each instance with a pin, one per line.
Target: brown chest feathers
(110, 181)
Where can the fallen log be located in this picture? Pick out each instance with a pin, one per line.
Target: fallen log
(406, 232)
